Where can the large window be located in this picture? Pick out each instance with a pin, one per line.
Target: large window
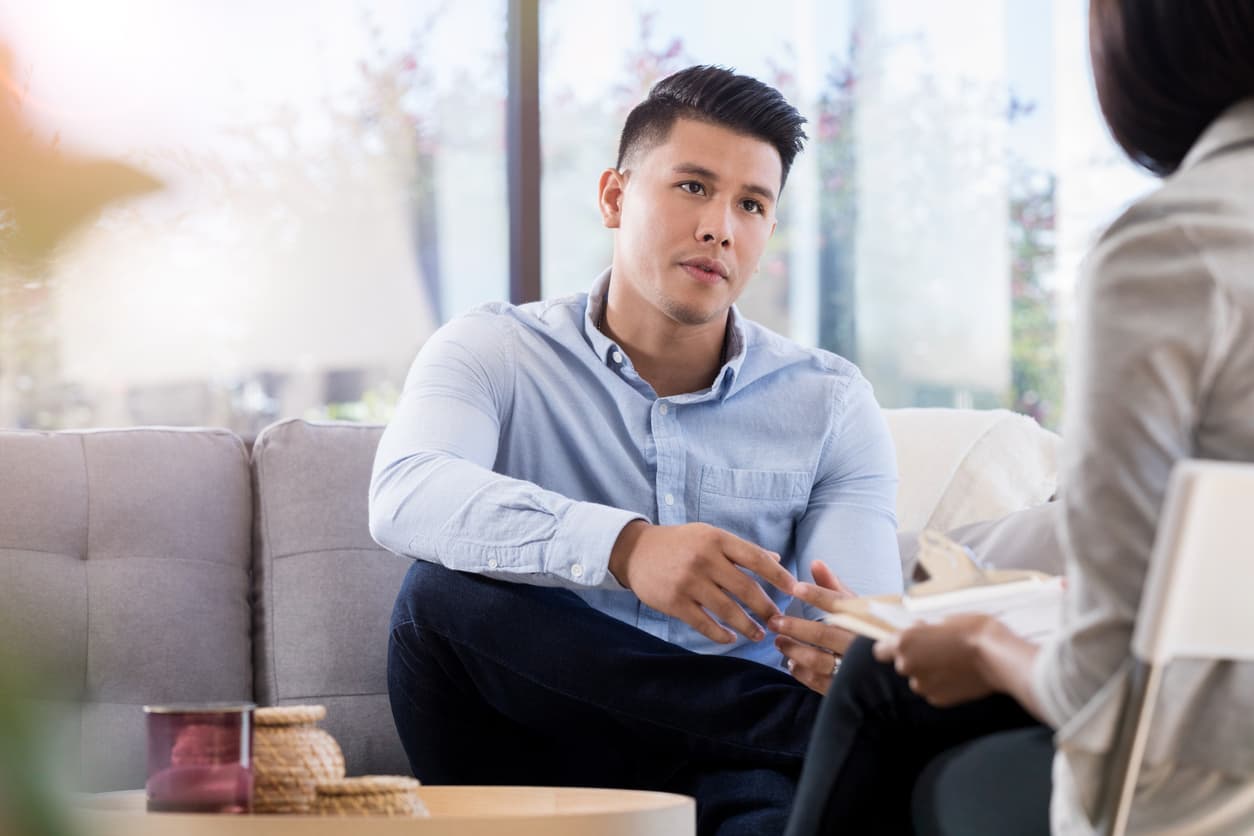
(331, 191)
(334, 185)
(956, 169)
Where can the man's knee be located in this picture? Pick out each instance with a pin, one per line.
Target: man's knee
(436, 612)
(449, 602)
(434, 596)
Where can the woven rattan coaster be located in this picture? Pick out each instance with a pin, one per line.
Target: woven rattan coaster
(369, 795)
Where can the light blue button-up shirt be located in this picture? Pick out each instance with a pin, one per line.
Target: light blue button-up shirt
(525, 440)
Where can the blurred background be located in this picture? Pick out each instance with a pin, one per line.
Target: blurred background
(334, 186)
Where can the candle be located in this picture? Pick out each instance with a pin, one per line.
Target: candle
(200, 758)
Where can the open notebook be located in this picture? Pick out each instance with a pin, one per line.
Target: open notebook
(1027, 602)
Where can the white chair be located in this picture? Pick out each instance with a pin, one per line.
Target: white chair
(1197, 604)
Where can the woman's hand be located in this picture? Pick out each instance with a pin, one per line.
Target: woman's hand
(949, 662)
(812, 648)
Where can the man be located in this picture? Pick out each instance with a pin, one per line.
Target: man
(673, 467)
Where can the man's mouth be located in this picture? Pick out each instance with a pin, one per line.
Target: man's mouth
(703, 276)
(705, 269)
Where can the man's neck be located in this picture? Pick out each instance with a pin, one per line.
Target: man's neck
(673, 360)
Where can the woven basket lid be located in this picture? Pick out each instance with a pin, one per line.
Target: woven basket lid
(285, 715)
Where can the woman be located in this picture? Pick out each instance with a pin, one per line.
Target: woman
(958, 727)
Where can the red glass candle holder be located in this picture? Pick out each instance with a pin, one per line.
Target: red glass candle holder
(200, 758)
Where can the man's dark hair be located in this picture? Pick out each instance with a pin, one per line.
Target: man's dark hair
(1164, 69)
(717, 96)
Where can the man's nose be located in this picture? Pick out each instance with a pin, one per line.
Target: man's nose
(715, 224)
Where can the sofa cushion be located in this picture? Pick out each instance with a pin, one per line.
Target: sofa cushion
(323, 590)
(962, 466)
(124, 560)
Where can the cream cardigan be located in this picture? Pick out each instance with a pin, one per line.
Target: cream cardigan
(1163, 370)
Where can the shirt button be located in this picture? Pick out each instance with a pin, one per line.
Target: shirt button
(663, 408)
(670, 499)
(618, 357)
(576, 571)
(492, 564)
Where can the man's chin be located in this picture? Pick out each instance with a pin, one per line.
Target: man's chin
(693, 314)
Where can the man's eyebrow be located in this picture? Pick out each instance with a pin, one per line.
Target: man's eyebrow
(705, 173)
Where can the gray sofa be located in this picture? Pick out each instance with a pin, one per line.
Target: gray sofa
(157, 565)
(160, 565)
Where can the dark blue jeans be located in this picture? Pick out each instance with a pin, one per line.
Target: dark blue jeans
(884, 761)
(505, 683)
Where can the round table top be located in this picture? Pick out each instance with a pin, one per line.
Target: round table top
(455, 811)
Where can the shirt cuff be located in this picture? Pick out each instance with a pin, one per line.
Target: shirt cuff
(1046, 684)
(581, 552)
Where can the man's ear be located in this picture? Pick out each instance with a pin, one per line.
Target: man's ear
(610, 196)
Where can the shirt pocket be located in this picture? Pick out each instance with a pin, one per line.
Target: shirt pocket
(761, 506)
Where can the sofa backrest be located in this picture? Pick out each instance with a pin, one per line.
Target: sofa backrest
(124, 563)
(322, 589)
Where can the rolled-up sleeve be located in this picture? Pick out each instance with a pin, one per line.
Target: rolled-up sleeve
(434, 495)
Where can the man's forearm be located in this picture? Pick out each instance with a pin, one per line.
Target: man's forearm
(436, 506)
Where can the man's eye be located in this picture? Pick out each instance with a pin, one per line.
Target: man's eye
(751, 206)
(692, 187)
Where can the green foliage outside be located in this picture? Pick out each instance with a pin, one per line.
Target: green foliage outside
(1036, 367)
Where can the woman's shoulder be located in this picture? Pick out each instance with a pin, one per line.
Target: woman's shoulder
(1199, 225)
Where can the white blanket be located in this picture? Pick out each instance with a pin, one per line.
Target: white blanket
(960, 466)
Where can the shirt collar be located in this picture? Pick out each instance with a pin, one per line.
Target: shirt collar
(605, 348)
(1235, 126)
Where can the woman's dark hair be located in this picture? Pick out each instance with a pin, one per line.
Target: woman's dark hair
(1165, 69)
(718, 96)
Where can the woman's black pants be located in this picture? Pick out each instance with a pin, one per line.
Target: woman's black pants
(883, 761)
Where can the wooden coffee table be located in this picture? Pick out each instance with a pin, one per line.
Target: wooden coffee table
(455, 811)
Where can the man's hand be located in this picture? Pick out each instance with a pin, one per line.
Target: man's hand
(812, 648)
(693, 572)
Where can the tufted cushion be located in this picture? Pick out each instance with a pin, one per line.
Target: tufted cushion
(124, 559)
(323, 590)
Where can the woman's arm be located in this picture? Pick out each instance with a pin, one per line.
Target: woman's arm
(963, 658)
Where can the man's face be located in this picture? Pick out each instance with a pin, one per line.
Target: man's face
(693, 215)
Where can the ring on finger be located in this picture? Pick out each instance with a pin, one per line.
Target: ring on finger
(835, 663)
